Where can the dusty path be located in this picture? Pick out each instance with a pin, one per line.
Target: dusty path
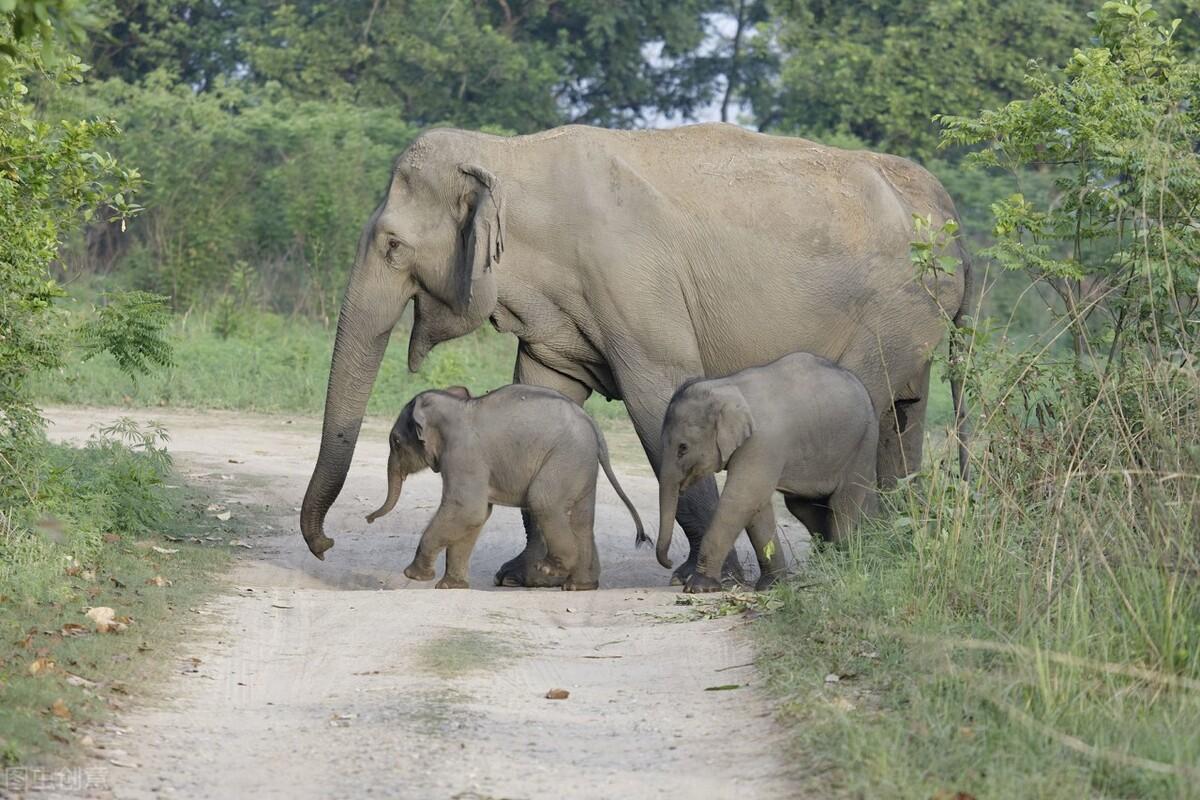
(312, 682)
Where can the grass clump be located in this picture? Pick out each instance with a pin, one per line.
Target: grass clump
(1034, 633)
(78, 528)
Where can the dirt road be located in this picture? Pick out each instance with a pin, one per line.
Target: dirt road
(343, 679)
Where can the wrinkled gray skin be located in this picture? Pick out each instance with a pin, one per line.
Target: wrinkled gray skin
(627, 261)
(800, 425)
(520, 446)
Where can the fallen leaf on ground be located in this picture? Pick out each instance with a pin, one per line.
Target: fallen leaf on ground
(74, 629)
(240, 543)
(105, 620)
(724, 687)
(236, 461)
(832, 677)
(74, 570)
(79, 680)
(166, 551)
(118, 763)
(280, 605)
(40, 665)
(557, 694)
(60, 710)
(342, 720)
(225, 516)
(157, 580)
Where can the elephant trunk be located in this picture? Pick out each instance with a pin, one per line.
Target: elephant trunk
(395, 484)
(357, 353)
(668, 500)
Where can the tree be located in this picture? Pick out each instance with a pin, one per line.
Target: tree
(52, 176)
(1119, 244)
(197, 43)
(879, 71)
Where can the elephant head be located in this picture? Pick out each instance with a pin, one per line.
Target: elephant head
(435, 236)
(415, 441)
(705, 423)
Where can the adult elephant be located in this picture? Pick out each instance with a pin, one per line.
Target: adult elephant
(626, 262)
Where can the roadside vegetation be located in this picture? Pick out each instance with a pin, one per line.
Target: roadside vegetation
(87, 584)
(1035, 631)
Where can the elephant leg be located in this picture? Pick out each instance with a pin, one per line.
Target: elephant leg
(740, 503)
(813, 514)
(902, 432)
(451, 523)
(561, 551)
(518, 571)
(586, 574)
(647, 407)
(763, 535)
(458, 558)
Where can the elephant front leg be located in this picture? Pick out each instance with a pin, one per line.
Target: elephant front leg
(647, 406)
(772, 565)
(458, 559)
(451, 524)
(740, 504)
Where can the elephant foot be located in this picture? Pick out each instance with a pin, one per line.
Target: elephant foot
(731, 572)
(573, 585)
(699, 583)
(767, 580)
(518, 573)
(550, 567)
(448, 582)
(319, 544)
(417, 574)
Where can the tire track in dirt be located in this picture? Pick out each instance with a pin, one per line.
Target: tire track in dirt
(312, 682)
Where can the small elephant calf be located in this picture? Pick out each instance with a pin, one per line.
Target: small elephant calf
(520, 446)
(802, 425)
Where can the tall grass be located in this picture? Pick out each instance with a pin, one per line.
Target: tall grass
(1034, 633)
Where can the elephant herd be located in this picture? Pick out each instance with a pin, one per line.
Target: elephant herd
(750, 298)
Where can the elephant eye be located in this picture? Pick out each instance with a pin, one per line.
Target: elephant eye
(682, 450)
(393, 243)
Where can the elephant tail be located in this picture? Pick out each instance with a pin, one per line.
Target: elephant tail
(602, 447)
(964, 322)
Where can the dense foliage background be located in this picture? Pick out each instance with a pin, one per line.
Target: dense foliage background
(263, 129)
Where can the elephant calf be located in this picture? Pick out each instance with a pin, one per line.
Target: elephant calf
(520, 446)
(801, 425)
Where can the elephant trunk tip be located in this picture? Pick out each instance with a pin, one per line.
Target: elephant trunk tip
(664, 559)
(312, 528)
(317, 545)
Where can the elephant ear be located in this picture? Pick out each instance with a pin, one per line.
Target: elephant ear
(425, 422)
(734, 425)
(480, 243)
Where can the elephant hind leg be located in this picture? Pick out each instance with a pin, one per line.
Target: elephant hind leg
(813, 513)
(586, 573)
(902, 433)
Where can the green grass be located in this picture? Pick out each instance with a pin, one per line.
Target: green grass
(1033, 634)
(274, 364)
(79, 532)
